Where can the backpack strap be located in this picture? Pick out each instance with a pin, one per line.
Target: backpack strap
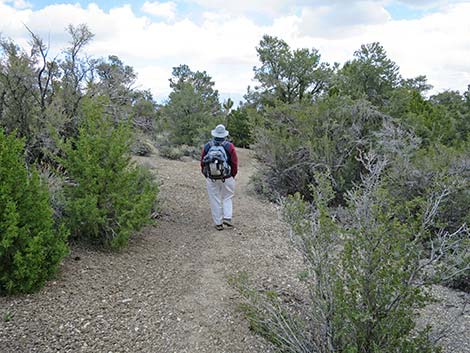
(208, 146)
(226, 146)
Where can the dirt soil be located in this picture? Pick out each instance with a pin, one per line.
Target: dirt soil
(169, 291)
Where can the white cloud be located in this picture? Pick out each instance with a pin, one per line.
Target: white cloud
(18, 4)
(436, 45)
(340, 19)
(12, 23)
(165, 10)
(22, 4)
(426, 4)
(270, 7)
(224, 44)
(153, 77)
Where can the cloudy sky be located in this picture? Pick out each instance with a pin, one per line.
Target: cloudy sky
(429, 37)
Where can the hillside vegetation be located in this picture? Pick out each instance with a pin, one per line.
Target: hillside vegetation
(371, 171)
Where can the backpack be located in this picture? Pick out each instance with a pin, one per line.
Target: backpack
(215, 163)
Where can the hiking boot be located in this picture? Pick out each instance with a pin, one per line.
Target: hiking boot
(219, 227)
(228, 222)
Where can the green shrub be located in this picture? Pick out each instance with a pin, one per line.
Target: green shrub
(30, 248)
(435, 171)
(178, 152)
(441, 119)
(192, 151)
(240, 127)
(449, 169)
(108, 198)
(141, 145)
(299, 140)
(55, 184)
(363, 274)
(171, 152)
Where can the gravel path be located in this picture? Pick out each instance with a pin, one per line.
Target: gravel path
(168, 291)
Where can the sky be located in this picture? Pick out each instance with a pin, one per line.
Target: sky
(424, 37)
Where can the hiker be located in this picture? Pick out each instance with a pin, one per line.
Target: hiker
(219, 164)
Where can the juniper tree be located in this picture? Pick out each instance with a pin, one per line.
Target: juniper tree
(108, 198)
(31, 247)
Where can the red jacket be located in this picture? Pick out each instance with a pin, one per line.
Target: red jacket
(231, 156)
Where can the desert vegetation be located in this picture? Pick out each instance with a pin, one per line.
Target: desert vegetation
(372, 174)
(68, 126)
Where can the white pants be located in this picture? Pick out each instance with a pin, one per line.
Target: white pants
(220, 198)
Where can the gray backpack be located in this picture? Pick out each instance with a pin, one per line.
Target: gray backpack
(215, 162)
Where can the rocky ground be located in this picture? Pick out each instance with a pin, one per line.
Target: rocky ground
(169, 291)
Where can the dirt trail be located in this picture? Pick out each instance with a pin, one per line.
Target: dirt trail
(168, 291)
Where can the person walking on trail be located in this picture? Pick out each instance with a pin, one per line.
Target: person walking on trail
(219, 164)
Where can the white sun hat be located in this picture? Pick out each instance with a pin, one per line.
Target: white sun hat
(219, 131)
